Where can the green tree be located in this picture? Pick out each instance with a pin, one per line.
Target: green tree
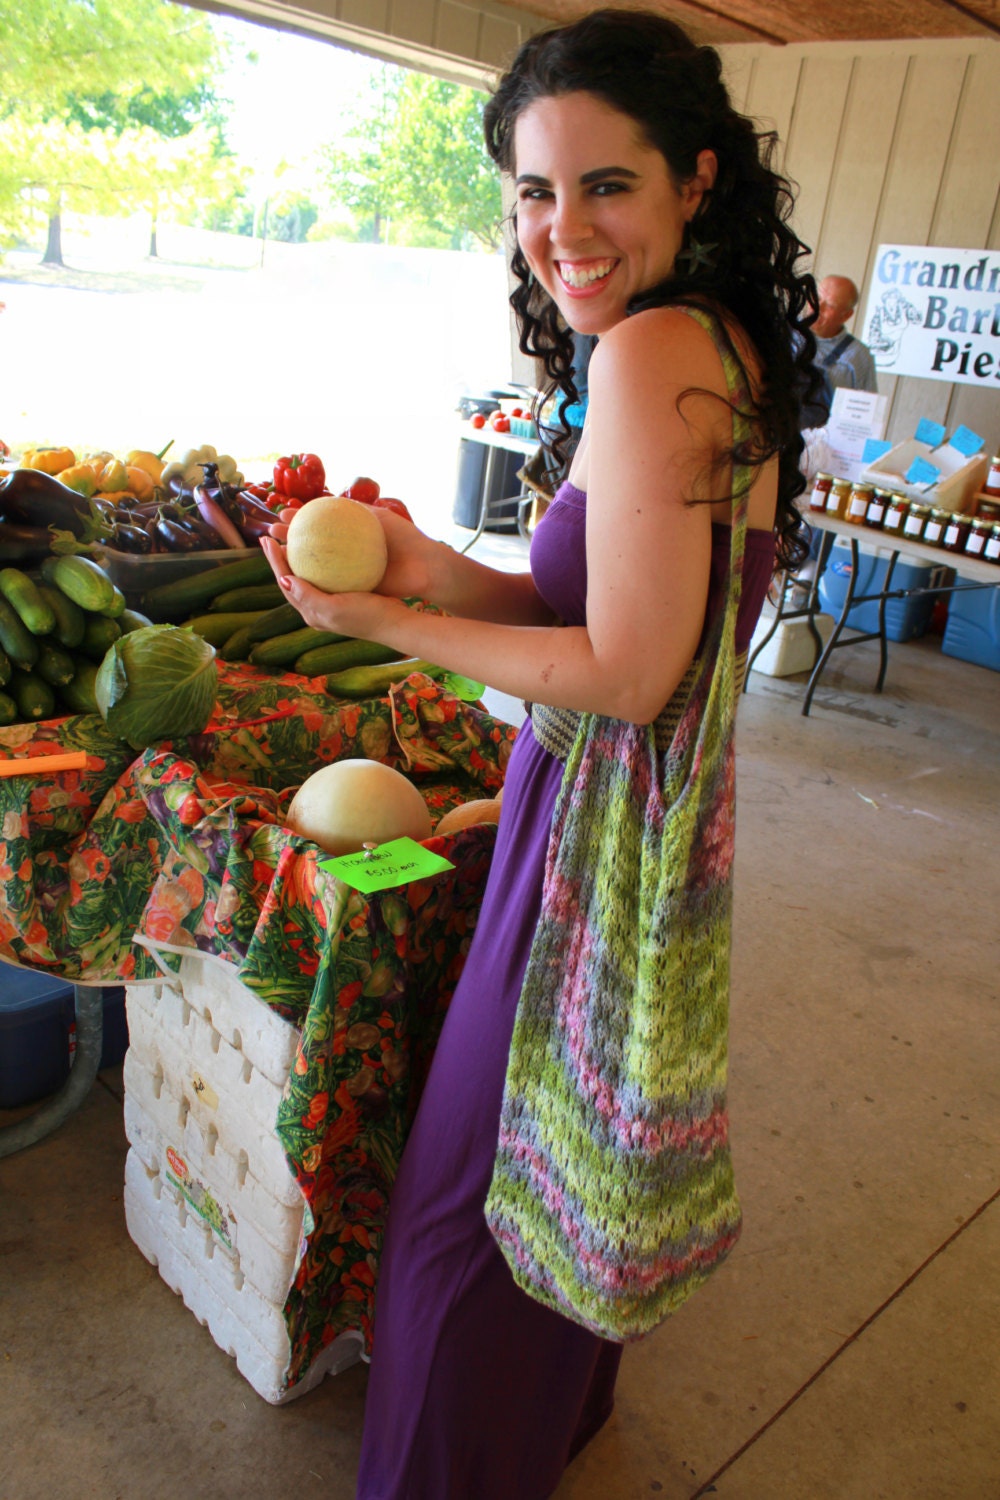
(444, 181)
(93, 69)
(362, 175)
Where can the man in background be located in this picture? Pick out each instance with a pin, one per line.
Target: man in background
(844, 359)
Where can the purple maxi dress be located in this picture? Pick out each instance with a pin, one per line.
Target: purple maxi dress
(476, 1391)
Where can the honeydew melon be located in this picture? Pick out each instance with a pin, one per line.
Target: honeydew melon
(337, 544)
(350, 803)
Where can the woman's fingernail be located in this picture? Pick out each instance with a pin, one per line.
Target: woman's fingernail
(286, 583)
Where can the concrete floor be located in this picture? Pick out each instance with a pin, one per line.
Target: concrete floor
(849, 1348)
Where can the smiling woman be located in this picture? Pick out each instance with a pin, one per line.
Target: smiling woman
(567, 1182)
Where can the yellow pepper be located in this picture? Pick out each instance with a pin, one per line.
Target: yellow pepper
(79, 477)
(49, 460)
(112, 477)
(150, 463)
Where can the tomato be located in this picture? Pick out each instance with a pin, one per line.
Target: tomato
(477, 419)
(363, 489)
(517, 411)
(501, 423)
(385, 503)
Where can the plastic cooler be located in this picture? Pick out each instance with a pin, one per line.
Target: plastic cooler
(973, 629)
(904, 618)
(37, 1025)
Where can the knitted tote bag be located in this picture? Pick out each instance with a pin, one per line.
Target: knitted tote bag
(612, 1196)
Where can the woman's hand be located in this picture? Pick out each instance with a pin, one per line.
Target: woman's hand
(355, 614)
(410, 554)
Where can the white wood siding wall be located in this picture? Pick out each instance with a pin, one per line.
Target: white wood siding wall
(890, 143)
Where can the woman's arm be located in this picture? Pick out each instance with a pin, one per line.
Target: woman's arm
(648, 553)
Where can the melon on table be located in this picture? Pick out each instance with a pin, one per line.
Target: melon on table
(350, 803)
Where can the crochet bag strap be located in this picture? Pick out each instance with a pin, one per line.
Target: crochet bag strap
(612, 1195)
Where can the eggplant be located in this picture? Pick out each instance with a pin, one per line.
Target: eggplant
(31, 495)
(176, 537)
(21, 543)
(129, 538)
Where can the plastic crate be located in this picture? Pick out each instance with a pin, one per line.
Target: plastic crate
(904, 618)
(973, 629)
(37, 1033)
(136, 574)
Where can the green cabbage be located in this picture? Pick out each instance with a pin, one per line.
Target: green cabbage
(156, 684)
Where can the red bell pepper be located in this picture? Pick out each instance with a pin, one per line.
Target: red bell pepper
(300, 477)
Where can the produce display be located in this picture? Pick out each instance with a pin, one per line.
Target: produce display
(139, 504)
(55, 628)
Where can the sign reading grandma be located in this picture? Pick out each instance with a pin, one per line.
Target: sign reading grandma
(935, 313)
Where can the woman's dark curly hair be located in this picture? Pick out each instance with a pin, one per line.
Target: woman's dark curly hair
(649, 69)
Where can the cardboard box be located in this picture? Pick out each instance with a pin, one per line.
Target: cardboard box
(961, 476)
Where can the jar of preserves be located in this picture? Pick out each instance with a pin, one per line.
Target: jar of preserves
(877, 506)
(836, 501)
(934, 527)
(979, 531)
(956, 533)
(896, 512)
(857, 503)
(916, 520)
(822, 485)
(992, 485)
(991, 551)
(990, 509)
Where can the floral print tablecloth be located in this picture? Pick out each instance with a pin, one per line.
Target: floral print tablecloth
(109, 873)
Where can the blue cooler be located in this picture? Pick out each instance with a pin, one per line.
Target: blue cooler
(973, 628)
(37, 1026)
(904, 618)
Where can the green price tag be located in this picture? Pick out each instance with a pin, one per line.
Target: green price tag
(395, 863)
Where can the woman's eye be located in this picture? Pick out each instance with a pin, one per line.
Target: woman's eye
(534, 194)
(605, 189)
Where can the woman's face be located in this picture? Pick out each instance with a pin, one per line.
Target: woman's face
(598, 215)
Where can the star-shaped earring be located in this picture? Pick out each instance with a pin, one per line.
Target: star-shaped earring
(698, 255)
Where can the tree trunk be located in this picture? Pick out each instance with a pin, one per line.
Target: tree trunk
(152, 238)
(53, 250)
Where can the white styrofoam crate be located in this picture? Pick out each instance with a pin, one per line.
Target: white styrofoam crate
(209, 1197)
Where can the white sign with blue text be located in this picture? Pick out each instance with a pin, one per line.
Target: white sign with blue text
(935, 312)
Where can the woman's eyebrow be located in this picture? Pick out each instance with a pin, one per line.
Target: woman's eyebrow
(597, 175)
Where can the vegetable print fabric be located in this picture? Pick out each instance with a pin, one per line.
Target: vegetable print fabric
(183, 849)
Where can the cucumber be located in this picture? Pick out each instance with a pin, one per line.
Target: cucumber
(282, 651)
(216, 629)
(8, 709)
(116, 608)
(343, 654)
(5, 669)
(33, 696)
(131, 620)
(256, 596)
(82, 581)
(70, 618)
(374, 682)
(16, 640)
(176, 600)
(99, 636)
(54, 665)
(79, 693)
(24, 596)
(237, 647)
(279, 621)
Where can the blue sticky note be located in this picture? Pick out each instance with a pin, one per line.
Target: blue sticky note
(931, 433)
(873, 450)
(966, 441)
(921, 472)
